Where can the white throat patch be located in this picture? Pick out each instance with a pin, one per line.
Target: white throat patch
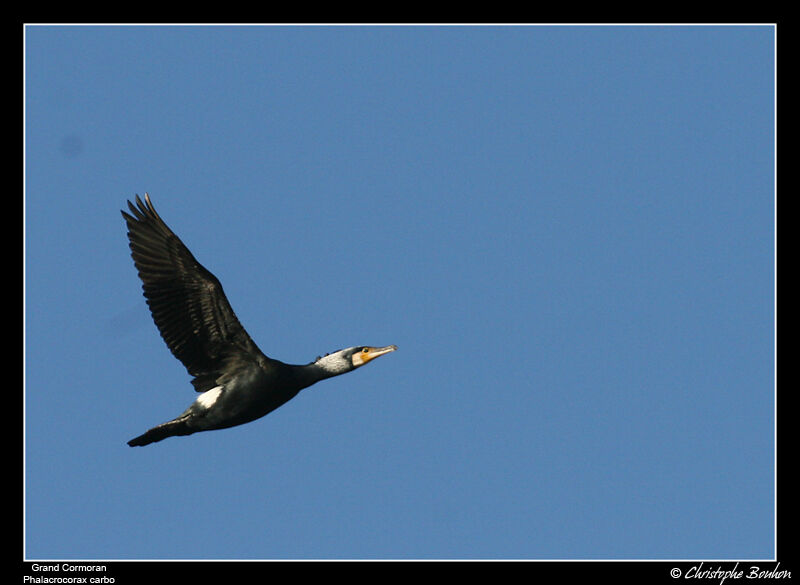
(335, 363)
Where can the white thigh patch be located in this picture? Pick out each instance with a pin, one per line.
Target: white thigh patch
(208, 398)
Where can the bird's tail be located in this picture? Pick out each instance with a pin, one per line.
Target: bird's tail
(171, 428)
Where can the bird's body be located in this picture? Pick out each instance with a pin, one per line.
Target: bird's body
(238, 383)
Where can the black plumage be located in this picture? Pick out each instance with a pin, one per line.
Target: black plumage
(239, 383)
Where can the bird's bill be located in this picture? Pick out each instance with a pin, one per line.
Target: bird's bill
(367, 354)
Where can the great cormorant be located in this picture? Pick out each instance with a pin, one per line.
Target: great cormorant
(237, 381)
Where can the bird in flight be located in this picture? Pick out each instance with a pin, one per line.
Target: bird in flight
(236, 381)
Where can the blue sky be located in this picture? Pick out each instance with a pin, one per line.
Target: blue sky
(567, 231)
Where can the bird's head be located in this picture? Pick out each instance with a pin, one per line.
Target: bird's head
(345, 360)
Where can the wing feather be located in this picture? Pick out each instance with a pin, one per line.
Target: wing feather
(186, 301)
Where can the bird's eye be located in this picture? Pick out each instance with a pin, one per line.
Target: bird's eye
(365, 350)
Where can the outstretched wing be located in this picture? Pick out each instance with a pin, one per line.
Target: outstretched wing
(186, 300)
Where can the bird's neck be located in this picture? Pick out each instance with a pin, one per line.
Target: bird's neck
(321, 369)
